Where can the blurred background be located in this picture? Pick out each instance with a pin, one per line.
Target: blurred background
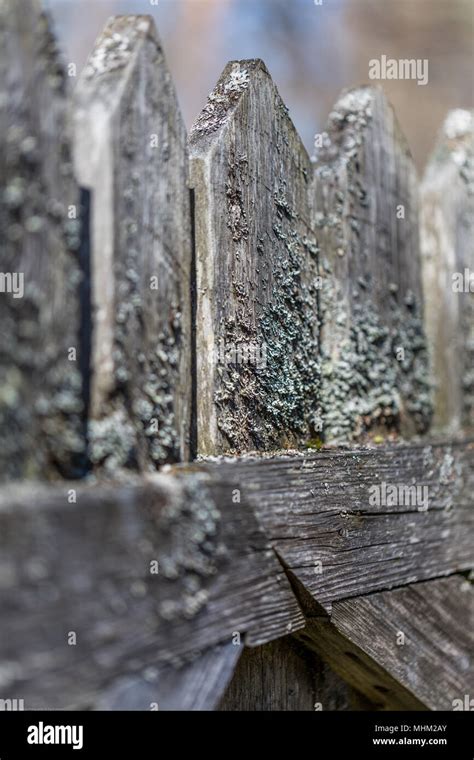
(312, 51)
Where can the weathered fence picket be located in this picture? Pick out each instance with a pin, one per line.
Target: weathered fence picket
(374, 359)
(41, 402)
(130, 152)
(257, 270)
(447, 213)
(243, 299)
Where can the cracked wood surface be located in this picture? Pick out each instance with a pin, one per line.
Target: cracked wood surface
(129, 595)
(316, 512)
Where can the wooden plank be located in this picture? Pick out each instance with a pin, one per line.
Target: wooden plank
(198, 685)
(316, 510)
(256, 269)
(283, 675)
(130, 151)
(41, 404)
(447, 231)
(410, 645)
(375, 378)
(81, 559)
(357, 668)
(128, 578)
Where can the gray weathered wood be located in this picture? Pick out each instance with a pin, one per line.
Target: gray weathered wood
(198, 685)
(357, 668)
(130, 150)
(89, 568)
(283, 676)
(41, 403)
(256, 261)
(86, 567)
(447, 214)
(405, 649)
(375, 377)
(317, 513)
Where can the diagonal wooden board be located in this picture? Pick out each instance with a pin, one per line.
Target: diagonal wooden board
(409, 648)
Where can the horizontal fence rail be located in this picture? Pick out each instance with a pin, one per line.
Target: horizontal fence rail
(157, 572)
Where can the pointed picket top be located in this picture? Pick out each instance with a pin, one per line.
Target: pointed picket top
(130, 151)
(375, 379)
(447, 227)
(41, 398)
(223, 100)
(256, 268)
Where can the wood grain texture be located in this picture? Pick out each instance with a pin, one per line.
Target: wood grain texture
(408, 645)
(256, 263)
(356, 668)
(316, 510)
(447, 215)
(157, 572)
(130, 151)
(41, 404)
(282, 675)
(375, 378)
(144, 575)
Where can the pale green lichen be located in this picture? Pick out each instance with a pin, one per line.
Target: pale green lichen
(375, 371)
(41, 400)
(276, 402)
(221, 100)
(189, 526)
(367, 388)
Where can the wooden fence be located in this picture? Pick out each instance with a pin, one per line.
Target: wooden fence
(235, 451)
